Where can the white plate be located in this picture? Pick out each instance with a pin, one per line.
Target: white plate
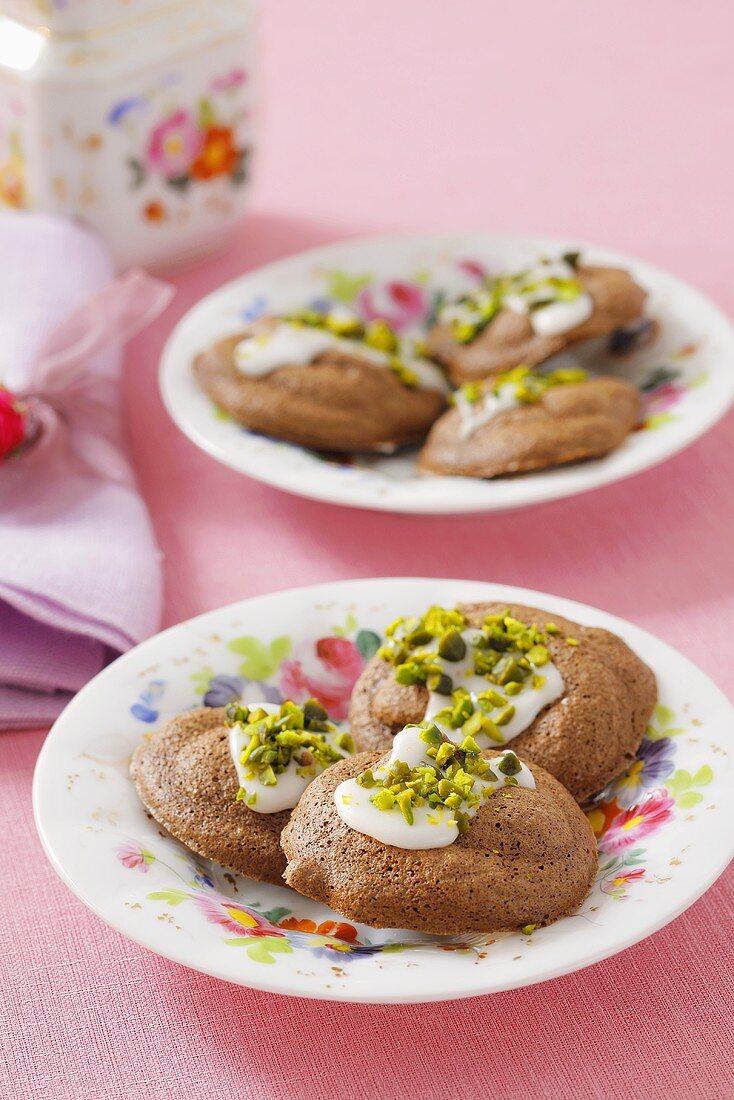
(655, 860)
(399, 278)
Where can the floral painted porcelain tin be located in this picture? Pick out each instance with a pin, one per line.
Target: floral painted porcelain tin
(135, 116)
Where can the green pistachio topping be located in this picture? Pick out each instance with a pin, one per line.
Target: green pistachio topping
(506, 651)
(509, 764)
(377, 334)
(448, 781)
(293, 733)
(536, 288)
(529, 385)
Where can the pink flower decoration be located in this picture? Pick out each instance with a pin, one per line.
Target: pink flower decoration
(234, 79)
(400, 304)
(326, 670)
(132, 856)
(665, 397)
(236, 918)
(473, 269)
(174, 143)
(623, 879)
(639, 821)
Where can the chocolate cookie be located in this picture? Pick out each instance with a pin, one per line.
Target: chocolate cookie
(509, 338)
(567, 423)
(528, 857)
(341, 399)
(186, 779)
(585, 737)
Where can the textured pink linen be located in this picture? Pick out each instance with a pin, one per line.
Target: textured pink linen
(79, 569)
(603, 121)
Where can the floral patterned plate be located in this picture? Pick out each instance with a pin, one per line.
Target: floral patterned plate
(665, 828)
(685, 376)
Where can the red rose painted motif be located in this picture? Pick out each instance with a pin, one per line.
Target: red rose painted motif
(326, 670)
(401, 304)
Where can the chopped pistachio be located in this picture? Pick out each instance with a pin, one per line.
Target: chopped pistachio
(440, 683)
(473, 724)
(431, 735)
(408, 674)
(509, 764)
(405, 802)
(511, 670)
(452, 646)
(538, 655)
(448, 781)
(505, 715)
(344, 325)
(465, 332)
(444, 754)
(312, 710)
(292, 734)
(379, 335)
(505, 651)
(384, 799)
(492, 731)
(493, 697)
(535, 288)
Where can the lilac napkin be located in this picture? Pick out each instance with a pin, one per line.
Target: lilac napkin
(79, 568)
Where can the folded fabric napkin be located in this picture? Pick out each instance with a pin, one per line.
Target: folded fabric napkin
(79, 568)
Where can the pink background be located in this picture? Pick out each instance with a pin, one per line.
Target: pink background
(601, 121)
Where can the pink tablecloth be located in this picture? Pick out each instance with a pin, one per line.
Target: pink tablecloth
(602, 121)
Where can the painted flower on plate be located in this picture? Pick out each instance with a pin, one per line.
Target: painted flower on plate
(633, 824)
(327, 670)
(618, 883)
(236, 918)
(134, 857)
(173, 144)
(255, 308)
(403, 305)
(223, 690)
(338, 930)
(473, 269)
(664, 397)
(328, 938)
(654, 762)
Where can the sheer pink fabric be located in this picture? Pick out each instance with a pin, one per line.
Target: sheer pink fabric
(79, 568)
